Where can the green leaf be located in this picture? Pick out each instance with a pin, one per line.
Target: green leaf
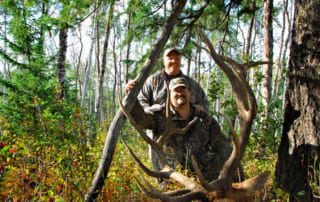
(50, 193)
(59, 199)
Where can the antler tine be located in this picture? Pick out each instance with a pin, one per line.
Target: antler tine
(183, 195)
(168, 122)
(152, 143)
(227, 167)
(212, 186)
(159, 174)
(149, 190)
(178, 192)
(176, 131)
(192, 196)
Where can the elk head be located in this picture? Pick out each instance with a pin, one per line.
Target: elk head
(222, 187)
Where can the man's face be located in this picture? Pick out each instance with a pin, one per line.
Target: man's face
(180, 96)
(172, 63)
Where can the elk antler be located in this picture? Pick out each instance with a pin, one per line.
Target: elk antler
(153, 144)
(246, 103)
(247, 108)
(193, 190)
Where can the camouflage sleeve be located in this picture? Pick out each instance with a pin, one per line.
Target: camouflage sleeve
(146, 121)
(200, 96)
(145, 95)
(220, 142)
(215, 148)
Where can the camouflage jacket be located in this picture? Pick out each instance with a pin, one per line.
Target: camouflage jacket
(154, 91)
(204, 140)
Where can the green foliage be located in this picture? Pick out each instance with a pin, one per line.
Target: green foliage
(43, 168)
(216, 87)
(218, 90)
(230, 107)
(214, 16)
(46, 147)
(46, 151)
(144, 25)
(259, 158)
(314, 175)
(61, 169)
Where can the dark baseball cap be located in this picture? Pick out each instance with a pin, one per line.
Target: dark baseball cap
(178, 82)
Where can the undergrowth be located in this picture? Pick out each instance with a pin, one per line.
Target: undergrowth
(62, 169)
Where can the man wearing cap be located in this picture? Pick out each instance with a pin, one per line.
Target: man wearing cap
(152, 96)
(204, 139)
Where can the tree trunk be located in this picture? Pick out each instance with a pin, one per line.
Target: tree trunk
(247, 56)
(188, 52)
(284, 59)
(298, 152)
(115, 80)
(129, 100)
(199, 68)
(283, 49)
(63, 35)
(120, 72)
(88, 66)
(128, 62)
(102, 69)
(196, 70)
(78, 81)
(268, 54)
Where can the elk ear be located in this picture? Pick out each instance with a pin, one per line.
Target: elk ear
(255, 183)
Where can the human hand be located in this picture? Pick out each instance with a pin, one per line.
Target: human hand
(153, 108)
(130, 85)
(199, 108)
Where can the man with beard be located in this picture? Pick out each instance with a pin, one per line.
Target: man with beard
(203, 140)
(152, 96)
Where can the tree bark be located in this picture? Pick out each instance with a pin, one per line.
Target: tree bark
(268, 54)
(198, 64)
(63, 35)
(284, 59)
(102, 69)
(128, 63)
(247, 56)
(298, 153)
(120, 72)
(278, 78)
(88, 65)
(78, 81)
(189, 52)
(129, 100)
(115, 81)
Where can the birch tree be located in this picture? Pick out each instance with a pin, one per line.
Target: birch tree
(102, 68)
(268, 53)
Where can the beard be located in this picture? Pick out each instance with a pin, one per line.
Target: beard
(181, 101)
